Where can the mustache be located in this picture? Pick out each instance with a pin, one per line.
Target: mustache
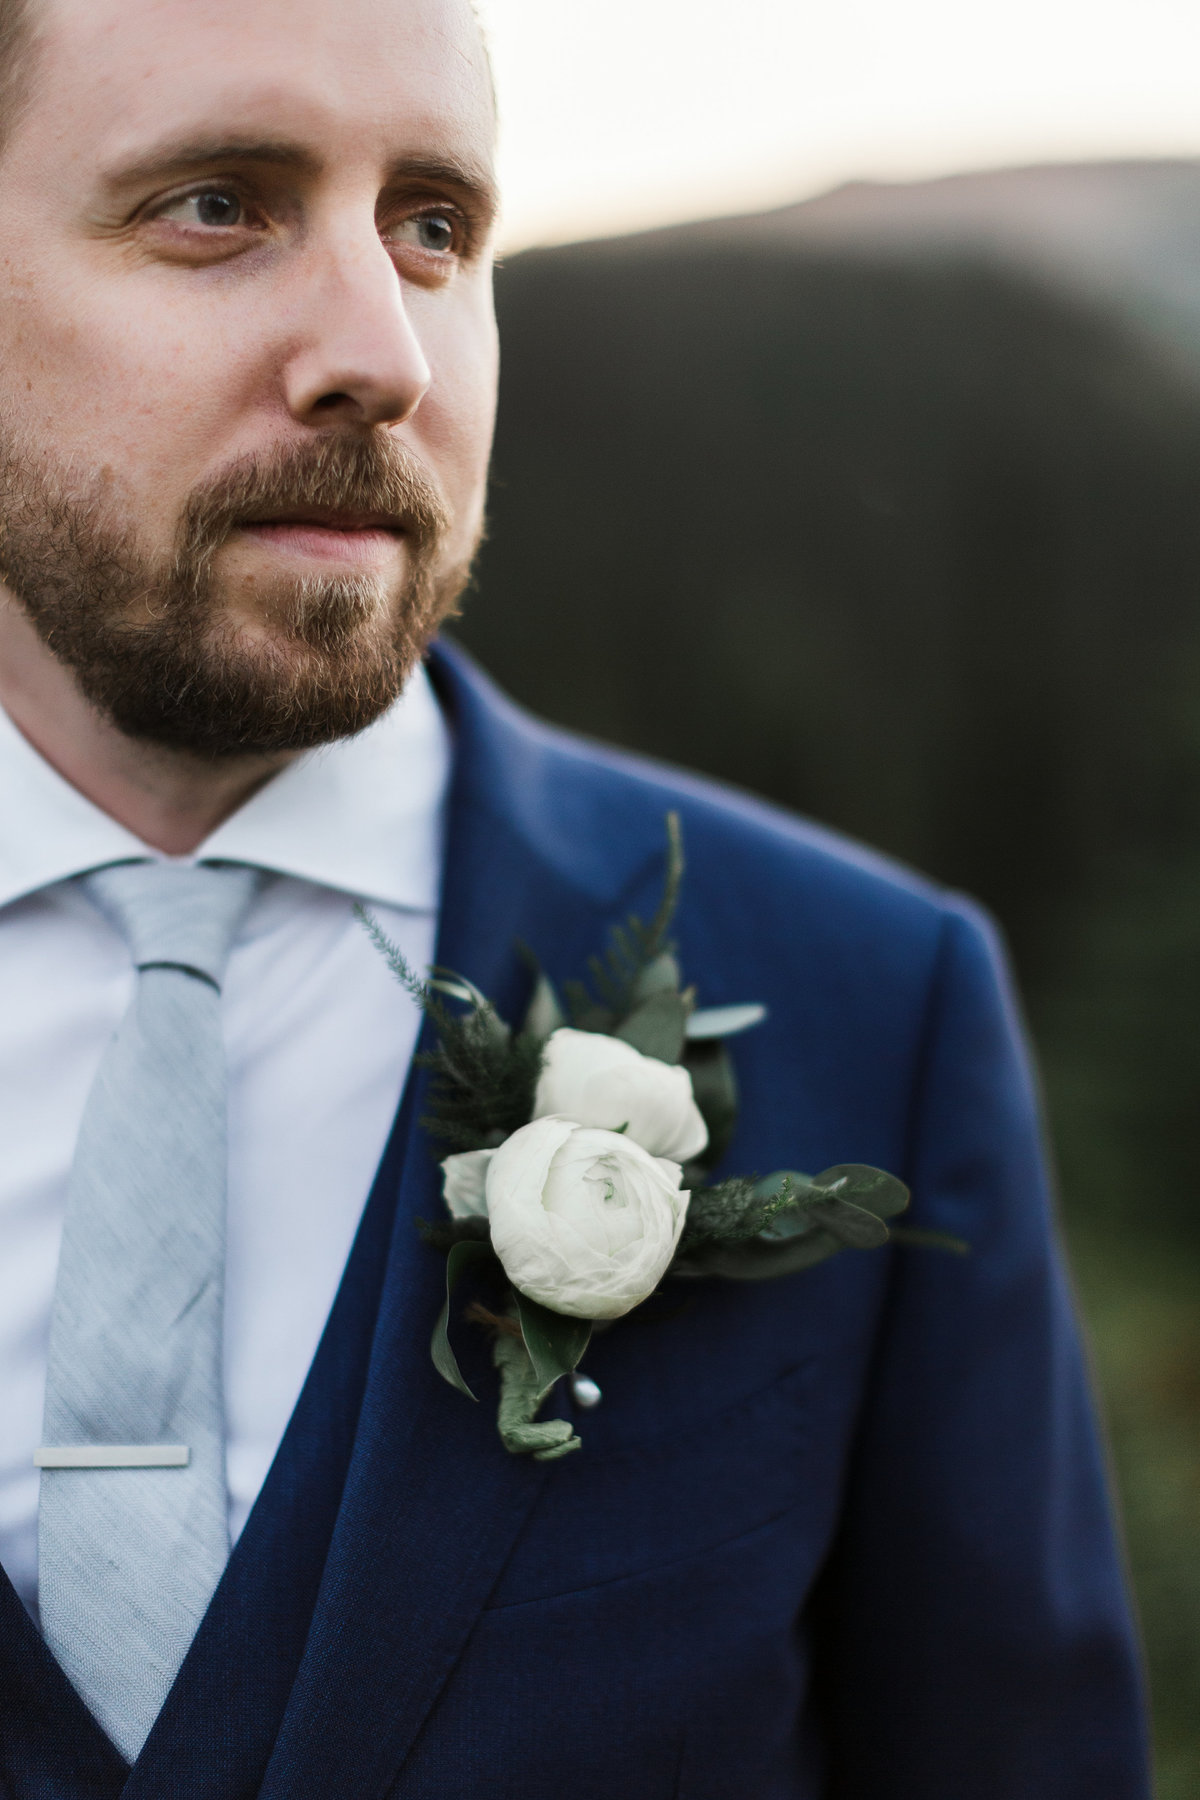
(358, 475)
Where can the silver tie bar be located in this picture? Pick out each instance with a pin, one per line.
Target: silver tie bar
(111, 1456)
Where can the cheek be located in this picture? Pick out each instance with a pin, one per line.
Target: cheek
(454, 423)
(117, 386)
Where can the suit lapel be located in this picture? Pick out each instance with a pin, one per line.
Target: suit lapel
(432, 1503)
(50, 1745)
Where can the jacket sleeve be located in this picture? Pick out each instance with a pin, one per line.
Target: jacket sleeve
(975, 1635)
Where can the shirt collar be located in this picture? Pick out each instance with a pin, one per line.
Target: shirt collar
(364, 815)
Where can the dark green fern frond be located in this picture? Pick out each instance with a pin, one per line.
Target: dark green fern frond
(484, 1078)
(638, 960)
(483, 1084)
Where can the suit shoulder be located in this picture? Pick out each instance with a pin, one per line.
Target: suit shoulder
(603, 809)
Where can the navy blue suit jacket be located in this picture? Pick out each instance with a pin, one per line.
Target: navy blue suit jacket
(843, 1534)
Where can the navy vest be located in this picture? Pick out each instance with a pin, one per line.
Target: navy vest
(218, 1727)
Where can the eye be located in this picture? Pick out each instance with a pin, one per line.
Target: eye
(213, 208)
(435, 231)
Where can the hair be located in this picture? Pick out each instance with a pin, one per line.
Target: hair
(16, 58)
(150, 638)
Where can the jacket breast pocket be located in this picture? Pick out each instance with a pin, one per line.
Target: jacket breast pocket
(609, 1513)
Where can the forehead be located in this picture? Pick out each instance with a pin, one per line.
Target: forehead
(386, 76)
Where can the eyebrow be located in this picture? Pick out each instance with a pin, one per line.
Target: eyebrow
(180, 156)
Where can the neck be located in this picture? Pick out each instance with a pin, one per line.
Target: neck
(168, 798)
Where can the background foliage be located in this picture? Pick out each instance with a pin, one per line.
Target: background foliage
(912, 544)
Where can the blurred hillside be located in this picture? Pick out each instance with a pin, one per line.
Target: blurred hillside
(887, 506)
(1127, 233)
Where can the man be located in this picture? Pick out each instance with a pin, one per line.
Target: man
(840, 1534)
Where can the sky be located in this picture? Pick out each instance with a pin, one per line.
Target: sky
(620, 114)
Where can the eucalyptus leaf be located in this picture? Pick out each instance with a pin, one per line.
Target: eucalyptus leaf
(851, 1225)
(656, 1027)
(586, 1014)
(759, 1259)
(595, 1018)
(873, 1189)
(658, 977)
(714, 1088)
(920, 1238)
(461, 1257)
(555, 1342)
(724, 1021)
(545, 1012)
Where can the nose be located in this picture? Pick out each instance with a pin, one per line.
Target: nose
(356, 356)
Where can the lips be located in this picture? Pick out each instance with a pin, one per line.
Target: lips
(320, 520)
(345, 537)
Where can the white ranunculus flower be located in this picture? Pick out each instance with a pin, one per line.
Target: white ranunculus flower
(603, 1081)
(584, 1221)
(463, 1178)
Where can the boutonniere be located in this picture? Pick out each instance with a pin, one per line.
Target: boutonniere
(575, 1155)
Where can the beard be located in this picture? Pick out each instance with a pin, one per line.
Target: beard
(153, 643)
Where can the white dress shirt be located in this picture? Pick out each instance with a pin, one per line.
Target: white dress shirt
(319, 1038)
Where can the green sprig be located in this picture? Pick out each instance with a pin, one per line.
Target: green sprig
(484, 1075)
(638, 973)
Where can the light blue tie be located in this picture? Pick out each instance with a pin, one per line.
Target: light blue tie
(133, 1525)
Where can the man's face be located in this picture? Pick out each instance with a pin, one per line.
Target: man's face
(247, 354)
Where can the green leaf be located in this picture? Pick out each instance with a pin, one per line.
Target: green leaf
(714, 1086)
(656, 1027)
(815, 1221)
(586, 1014)
(443, 1234)
(545, 1013)
(723, 1021)
(873, 1189)
(658, 977)
(759, 1258)
(919, 1238)
(554, 1341)
(851, 1225)
(461, 1257)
